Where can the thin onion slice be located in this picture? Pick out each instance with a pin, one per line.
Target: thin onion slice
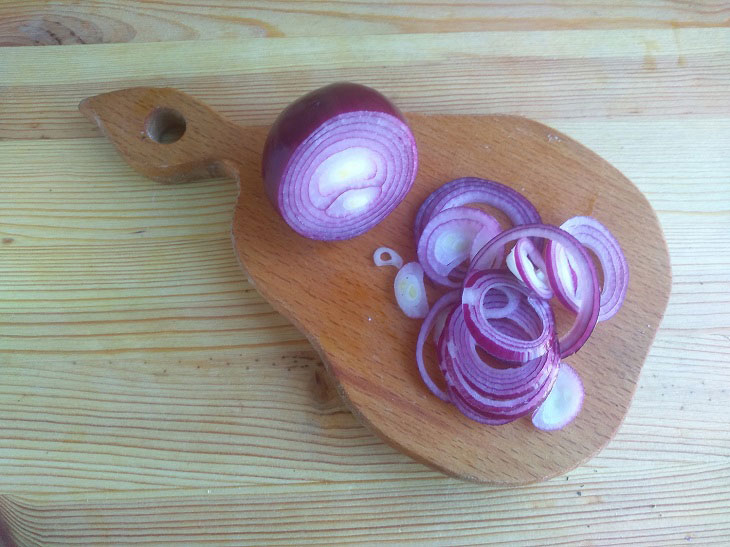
(588, 292)
(446, 241)
(597, 238)
(502, 302)
(475, 190)
(410, 292)
(527, 264)
(488, 336)
(392, 258)
(338, 160)
(439, 324)
(501, 379)
(563, 403)
(450, 301)
(482, 237)
(566, 286)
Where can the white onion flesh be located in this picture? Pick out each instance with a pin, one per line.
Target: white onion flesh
(385, 256)
(410, 292)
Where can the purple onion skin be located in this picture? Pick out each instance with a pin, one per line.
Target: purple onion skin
(302, 117)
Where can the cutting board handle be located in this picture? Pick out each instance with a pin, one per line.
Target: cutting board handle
(169, 136)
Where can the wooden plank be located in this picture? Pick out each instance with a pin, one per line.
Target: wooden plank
(565, 75)
(579, 510)
(39, 22)
(653, 107)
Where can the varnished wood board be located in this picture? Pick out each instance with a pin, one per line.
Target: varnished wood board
(344, 305)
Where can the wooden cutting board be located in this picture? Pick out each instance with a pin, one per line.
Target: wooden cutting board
(345, 306)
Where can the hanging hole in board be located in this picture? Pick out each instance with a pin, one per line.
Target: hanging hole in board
(165, 125)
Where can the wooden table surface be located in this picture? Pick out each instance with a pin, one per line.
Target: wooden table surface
(149, 394)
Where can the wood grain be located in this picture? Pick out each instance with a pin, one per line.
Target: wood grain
(93, 299)
(407, 512)
(39, 22)
(577, 75)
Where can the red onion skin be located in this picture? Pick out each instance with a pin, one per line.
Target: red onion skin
(302, 117)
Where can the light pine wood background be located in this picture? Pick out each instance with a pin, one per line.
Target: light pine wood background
(148, 394)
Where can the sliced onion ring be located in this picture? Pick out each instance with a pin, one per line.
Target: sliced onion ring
(506, 380)
(488, 394)
(588, 292)
(475, 190)
(447, 239)
(450, 300)
(477, 287)
(596, 237)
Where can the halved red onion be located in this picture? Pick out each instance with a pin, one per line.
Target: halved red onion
(447, 239)
(385, 256)
(563, 403)
(410, 292)
(448, 301)
(475, 190)
(596, 237)
(504, 345)
(588, 292)
(526, 263)
(338, 160)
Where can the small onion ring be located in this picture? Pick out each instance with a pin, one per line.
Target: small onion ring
(447, 239)
(496, 307)
(528, 265)
(567, 282)
(477, 286)
(394, 260)
(597, 238)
